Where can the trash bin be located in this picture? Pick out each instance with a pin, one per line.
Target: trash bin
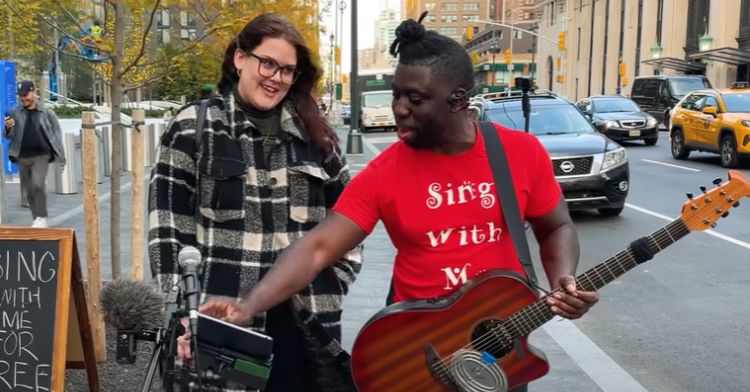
(66, 180)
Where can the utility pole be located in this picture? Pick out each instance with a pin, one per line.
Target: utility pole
(354, 139)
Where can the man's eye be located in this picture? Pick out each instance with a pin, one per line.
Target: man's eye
(415, 99)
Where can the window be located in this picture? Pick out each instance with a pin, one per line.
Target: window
(471, 6)
(737, 103)
(468, 18)
(692, 102)
(448, 30)
(448, 18)
(429, 6)
(431, 18)
(709, 101)
(449, 7)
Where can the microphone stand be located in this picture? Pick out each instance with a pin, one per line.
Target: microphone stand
(164, 338)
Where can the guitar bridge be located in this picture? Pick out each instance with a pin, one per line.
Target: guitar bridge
(439, 369)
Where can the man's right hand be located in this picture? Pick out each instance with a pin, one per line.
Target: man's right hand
(184, 351)
(9, 123)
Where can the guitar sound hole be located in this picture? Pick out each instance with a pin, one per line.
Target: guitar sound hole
(491, 336)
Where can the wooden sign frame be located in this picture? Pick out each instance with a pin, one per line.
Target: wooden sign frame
(69, 311)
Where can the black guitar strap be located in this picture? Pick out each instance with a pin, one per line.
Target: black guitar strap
(508, 203)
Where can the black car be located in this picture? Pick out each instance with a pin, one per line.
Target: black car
(620, 118)
(658, 94)
(591, 169)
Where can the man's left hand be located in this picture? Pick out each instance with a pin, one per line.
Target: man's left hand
(570, 302)
(227, 309)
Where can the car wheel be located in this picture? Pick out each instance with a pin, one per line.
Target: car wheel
(728, 151)
(679, 151)
(610, 211)
(652, 141)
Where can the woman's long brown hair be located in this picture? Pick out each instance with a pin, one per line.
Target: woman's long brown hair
(300, 93)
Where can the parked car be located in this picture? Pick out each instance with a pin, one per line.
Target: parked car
(592, 170)
(620, 118)
(658, 94)
(715, 121)
(346, 113)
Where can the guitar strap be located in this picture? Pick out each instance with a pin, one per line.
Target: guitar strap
(508, 203)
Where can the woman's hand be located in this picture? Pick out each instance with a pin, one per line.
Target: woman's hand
(227, 309)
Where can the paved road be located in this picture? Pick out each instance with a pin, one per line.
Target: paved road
(677, 323)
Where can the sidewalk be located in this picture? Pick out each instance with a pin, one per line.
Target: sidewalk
(367, 295)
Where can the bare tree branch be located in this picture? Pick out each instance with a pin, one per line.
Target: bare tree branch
(70, 16)
(146, 32)
(75, 56)
(144, 83)
(188, 47)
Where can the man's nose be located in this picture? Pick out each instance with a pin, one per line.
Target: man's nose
(399, 109)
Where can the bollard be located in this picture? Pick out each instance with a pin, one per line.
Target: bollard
(354, 143)
(127, 149)
(66, 180)
(150, 146)
(106, 152)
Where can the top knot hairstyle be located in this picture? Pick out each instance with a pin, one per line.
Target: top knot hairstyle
(446, 58)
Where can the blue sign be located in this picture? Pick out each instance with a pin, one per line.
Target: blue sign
(7, 103)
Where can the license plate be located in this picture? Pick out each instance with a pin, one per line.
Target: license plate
(635, 133)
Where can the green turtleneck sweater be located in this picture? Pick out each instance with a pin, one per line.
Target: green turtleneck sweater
(268, 122)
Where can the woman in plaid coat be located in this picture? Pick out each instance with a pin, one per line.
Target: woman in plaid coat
(262, 172)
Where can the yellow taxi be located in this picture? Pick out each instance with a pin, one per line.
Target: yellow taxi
(713, 120)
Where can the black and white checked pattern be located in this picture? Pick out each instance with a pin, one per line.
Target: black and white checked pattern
(242, 209)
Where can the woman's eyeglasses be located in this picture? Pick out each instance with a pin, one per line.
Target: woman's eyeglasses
(268, 68)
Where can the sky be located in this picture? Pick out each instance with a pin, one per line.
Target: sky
(368, 11)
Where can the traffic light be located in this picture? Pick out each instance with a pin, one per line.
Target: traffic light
(624, 81)
(507, 56)
(337, 55)
(469, 33)
(561, 41)
(559, 63)
(621, 70)
(344, 78)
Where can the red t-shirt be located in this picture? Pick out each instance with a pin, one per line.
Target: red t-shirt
(442, 213)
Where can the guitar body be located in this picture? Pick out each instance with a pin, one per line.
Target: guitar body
(389, 353)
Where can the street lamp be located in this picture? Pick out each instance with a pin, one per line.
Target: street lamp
(330, 76)
(494, 49)
(656, 51)
(704, 45)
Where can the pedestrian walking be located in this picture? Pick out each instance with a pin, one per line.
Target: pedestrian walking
(264, 170)
(35, 141)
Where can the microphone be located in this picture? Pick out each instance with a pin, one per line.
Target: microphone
(132, 308)
(189, 259)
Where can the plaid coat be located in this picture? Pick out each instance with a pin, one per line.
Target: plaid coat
(241, 209)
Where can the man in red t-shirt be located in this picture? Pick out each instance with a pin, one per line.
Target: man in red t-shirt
(434, 192)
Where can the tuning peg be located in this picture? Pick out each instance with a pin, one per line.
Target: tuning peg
(690, 196)
(713, 225)
(735, 205)
(717, 181)
(703, 188)
(724, 215)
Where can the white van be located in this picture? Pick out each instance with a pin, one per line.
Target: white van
(376, 111)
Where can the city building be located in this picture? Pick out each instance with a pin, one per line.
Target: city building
(607, 43)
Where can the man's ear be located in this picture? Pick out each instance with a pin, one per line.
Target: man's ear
(459, 100)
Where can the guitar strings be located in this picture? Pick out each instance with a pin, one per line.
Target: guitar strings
(493, 343)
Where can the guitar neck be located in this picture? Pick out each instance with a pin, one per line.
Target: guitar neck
(536, 314)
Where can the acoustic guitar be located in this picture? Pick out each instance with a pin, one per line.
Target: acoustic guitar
(475, 340)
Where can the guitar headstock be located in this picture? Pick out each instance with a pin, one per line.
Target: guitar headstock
(702, 212)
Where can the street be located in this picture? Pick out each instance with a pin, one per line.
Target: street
(676, 323)
(671, 324)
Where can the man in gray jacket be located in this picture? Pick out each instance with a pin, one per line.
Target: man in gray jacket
(35, 141)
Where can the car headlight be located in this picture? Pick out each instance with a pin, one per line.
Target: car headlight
(746, 123)
(652, 122)
(610, 124)
(614, 158)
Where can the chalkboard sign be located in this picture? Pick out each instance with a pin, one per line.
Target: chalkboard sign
(39, 270)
